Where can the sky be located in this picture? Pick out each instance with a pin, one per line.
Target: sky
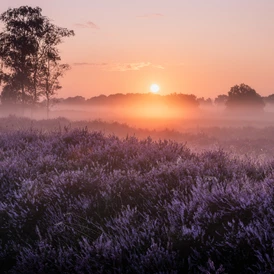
(200, 47)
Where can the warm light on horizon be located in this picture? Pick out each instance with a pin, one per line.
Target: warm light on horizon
(154, 88)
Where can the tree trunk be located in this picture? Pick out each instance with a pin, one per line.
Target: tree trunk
(47, 107)
(23, 99)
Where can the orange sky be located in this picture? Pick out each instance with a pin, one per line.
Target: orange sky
(199, 47)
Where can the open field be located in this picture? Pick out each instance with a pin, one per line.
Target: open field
(75, 200)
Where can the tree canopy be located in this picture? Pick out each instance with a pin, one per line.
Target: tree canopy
(221, 99)
(242, 97)
(30, 60)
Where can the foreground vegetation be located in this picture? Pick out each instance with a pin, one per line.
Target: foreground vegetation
(79, 201)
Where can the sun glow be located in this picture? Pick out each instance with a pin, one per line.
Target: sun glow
(154, 88)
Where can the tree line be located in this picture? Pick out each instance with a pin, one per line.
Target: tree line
(239, 98)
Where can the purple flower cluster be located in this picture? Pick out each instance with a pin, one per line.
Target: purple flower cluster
(79, 201)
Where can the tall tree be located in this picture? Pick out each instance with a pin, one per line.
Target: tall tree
(18, 45)
(10, 94)
(47, 66)
(28, 45)
(49, 80)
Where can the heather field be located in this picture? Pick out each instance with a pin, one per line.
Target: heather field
(103, 197)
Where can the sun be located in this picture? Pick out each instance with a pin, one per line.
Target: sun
(154, 88)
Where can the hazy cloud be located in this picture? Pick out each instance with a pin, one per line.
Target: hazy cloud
(133, 66)
(129, 66)
(121, 66)
(87, 25)
(90, 64)
(158, 66)
(150, 15)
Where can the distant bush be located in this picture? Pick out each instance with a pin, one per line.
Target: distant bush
(243, 98)
(269, 99)
(78, 201)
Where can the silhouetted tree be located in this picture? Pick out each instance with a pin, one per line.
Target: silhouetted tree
(182, 100)
(10, 95)
(221, 99)
(269, 99)
(49, 80)
(76, 100)
(178, 100)
(204, 102)
(48, 66)
(28, 53)
(243, 97)
(18, 45)
(97, 100)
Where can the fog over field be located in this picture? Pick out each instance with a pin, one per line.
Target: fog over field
(214, 129)
(152, 116)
